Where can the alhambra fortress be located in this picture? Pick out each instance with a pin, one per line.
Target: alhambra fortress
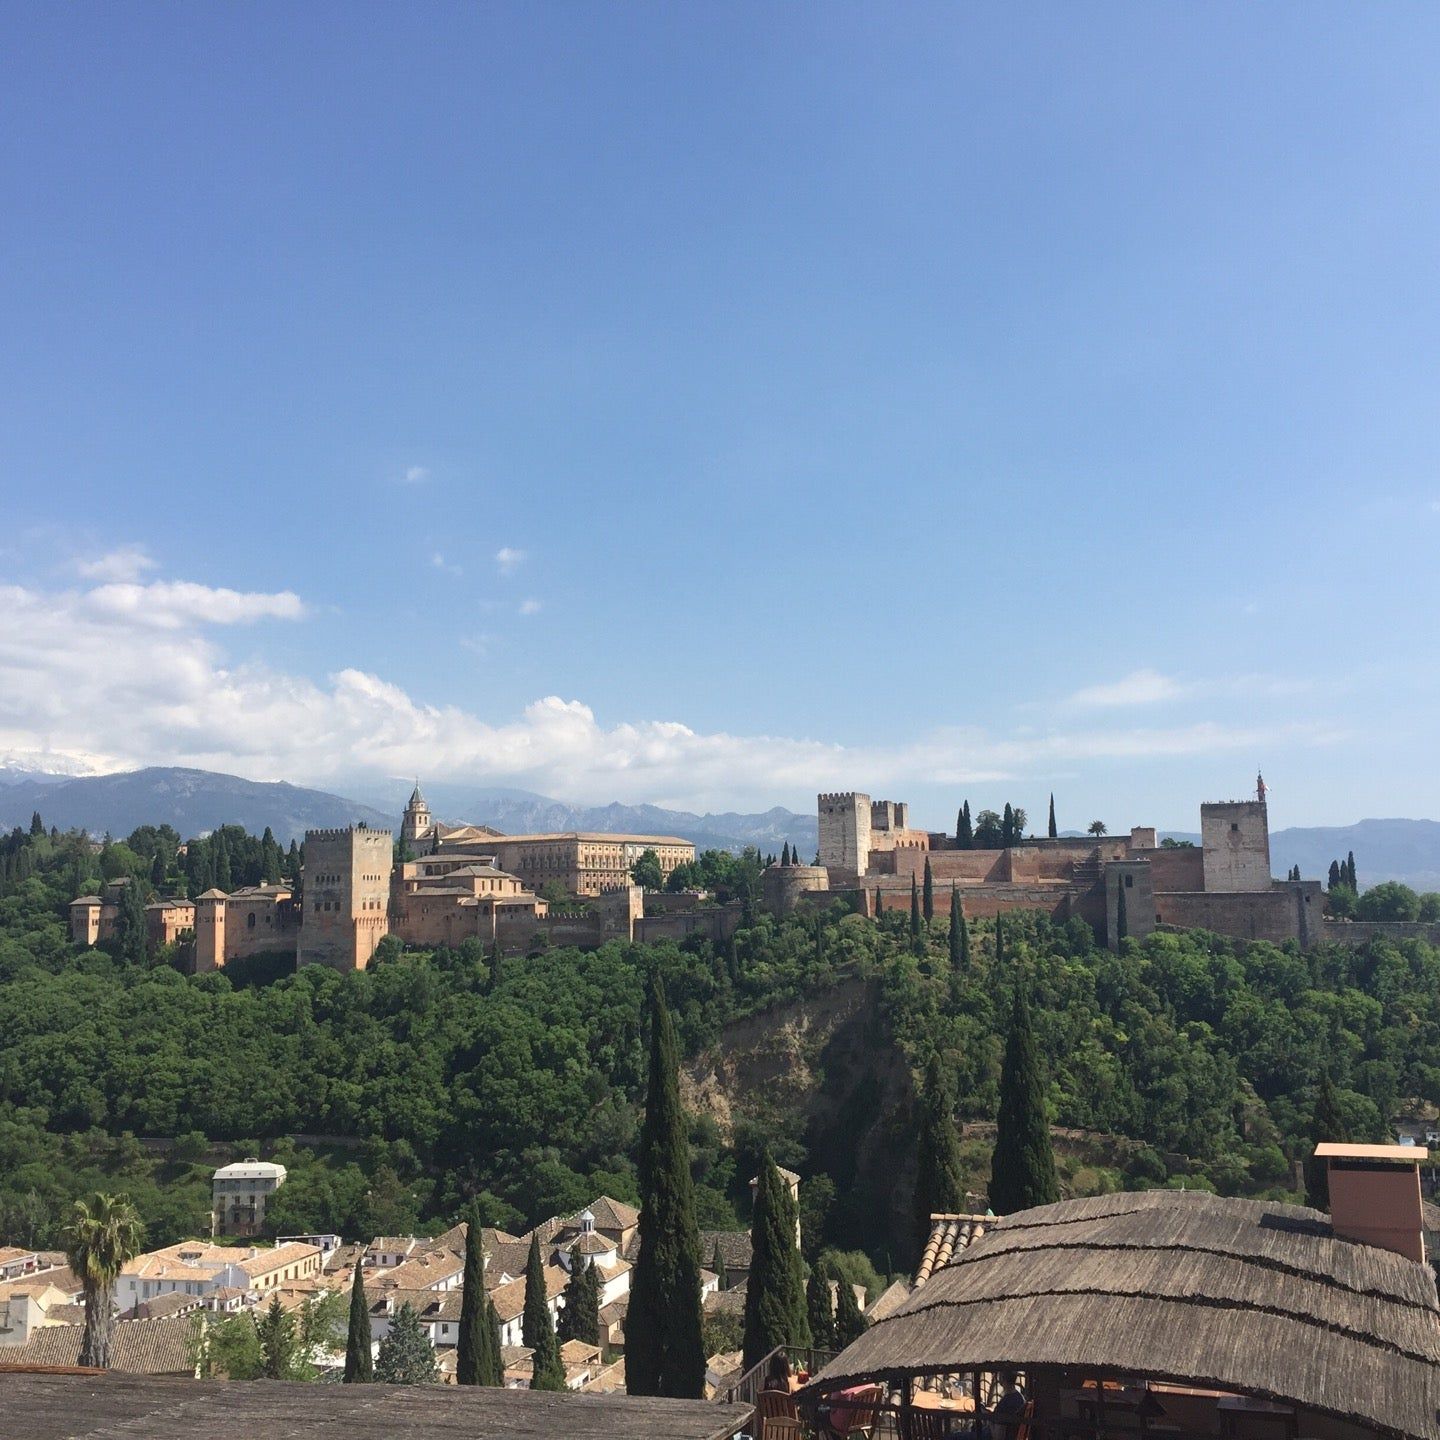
(452, 883)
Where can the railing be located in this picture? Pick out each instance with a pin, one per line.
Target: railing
(746, 1390)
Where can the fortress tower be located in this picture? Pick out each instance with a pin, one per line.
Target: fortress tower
(345, 912)
(1235, 837)
(210, 931)
(845, 831)
(417, 822)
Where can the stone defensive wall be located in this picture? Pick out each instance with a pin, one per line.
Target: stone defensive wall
(717, 923)
(984, 902)
(1284, 913)
(1357, 932)
(1014, 866)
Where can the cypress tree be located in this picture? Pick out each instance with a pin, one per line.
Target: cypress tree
(999, 941)
(917, 940)
(959, 932)
(223, 878)
(1350, 872)
(157, 869)
(493, 1368)
(546, 1372)
(775, 1291)
(959, 828)
(1022, 1169)
(819, 1309)
(1054, 833)
(785, 854)
(1122, 914)
(130, 925)
(850, 1324)
(929, 895)
(470, 1351)
(580, 1319)
(717, 1264)
(1333, 878)
(37, 825)
(664, 1348)
(359, 1363)
(964, 833)
(938, 1187)
(1007, 827)
(1326, 1123)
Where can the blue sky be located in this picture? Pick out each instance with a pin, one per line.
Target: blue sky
(713, 404)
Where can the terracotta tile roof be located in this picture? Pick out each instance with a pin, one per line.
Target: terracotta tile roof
(274, 1259)
(592, 1244)
(423, 1272)
(509, 1299)
(949, 1234)
(140, 1347)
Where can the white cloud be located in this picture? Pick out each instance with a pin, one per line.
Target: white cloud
(1140, 687)
(171, 604)
(415, 475)
(509, 559)
(129, 562)
(126, 676)
(439, 562)
(530, 607)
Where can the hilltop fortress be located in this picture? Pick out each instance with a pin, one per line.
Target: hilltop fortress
(869, 851)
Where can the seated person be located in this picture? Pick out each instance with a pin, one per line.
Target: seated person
(777, 1373)
(1009, 1410)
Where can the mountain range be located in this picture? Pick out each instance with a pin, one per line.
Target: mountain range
(196, 801)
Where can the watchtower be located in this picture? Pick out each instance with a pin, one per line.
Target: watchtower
(210, 930)
(1235, 837)
(346, 896)
(845, 831)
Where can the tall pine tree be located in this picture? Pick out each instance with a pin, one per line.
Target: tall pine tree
(359, 1361)
(819, 1309)
(928, 897)
(1054, 833)
(939, 1189)
(1326, 1123)
(470, 1359)
(850, 1323)
(664, 1348)
(536, 1330)
(775, 1290)
(1022, 1169)
(959, 932)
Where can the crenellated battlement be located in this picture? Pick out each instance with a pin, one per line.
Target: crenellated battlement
(345, 831)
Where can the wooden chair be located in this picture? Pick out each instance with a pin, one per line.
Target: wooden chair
(932, 1424)
(865, 1411)
(782, 1427)
(772, 1407)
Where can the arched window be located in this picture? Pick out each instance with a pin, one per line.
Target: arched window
(250, 920)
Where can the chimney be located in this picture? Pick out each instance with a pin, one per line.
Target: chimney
(1375, 1196)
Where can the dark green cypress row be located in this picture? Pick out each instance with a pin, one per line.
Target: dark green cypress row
(819, 1309)
(959, 932)
(928, 898)
(939, 1189)
(546, 1373)
(664, 1349)
(359, 1362)
(775, 1291)
(1022, 1169)
(470, 1352)
(493, 1367)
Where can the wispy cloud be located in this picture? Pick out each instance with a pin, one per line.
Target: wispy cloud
(439, 562)
(129, 562)
(530, 607)
(415, 475)
(1140, 687)
(173, 604)
(509, 559)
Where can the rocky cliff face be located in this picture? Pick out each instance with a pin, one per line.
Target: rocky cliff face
(827, 1072)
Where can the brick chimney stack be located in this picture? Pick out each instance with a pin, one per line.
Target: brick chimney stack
(1375, 1196)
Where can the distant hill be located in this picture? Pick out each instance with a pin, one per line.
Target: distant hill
(193, 801)
(521, 812)
(198, 800)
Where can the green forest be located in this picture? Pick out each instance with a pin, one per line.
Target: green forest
(436, 1078)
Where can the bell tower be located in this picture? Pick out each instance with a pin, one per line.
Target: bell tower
(417, 821)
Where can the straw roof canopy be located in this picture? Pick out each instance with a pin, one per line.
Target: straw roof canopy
(1240, 1295)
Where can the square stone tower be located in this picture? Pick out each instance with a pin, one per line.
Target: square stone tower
(1235, 837)
(845, 831)
(345, 911)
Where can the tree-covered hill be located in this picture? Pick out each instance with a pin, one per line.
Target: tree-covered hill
(440, 1076)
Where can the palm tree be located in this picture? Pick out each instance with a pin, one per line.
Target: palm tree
(104, 1232)
(1096, 828)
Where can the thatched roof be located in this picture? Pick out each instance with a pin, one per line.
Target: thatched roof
(88, 1406)
(1241, 1295)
